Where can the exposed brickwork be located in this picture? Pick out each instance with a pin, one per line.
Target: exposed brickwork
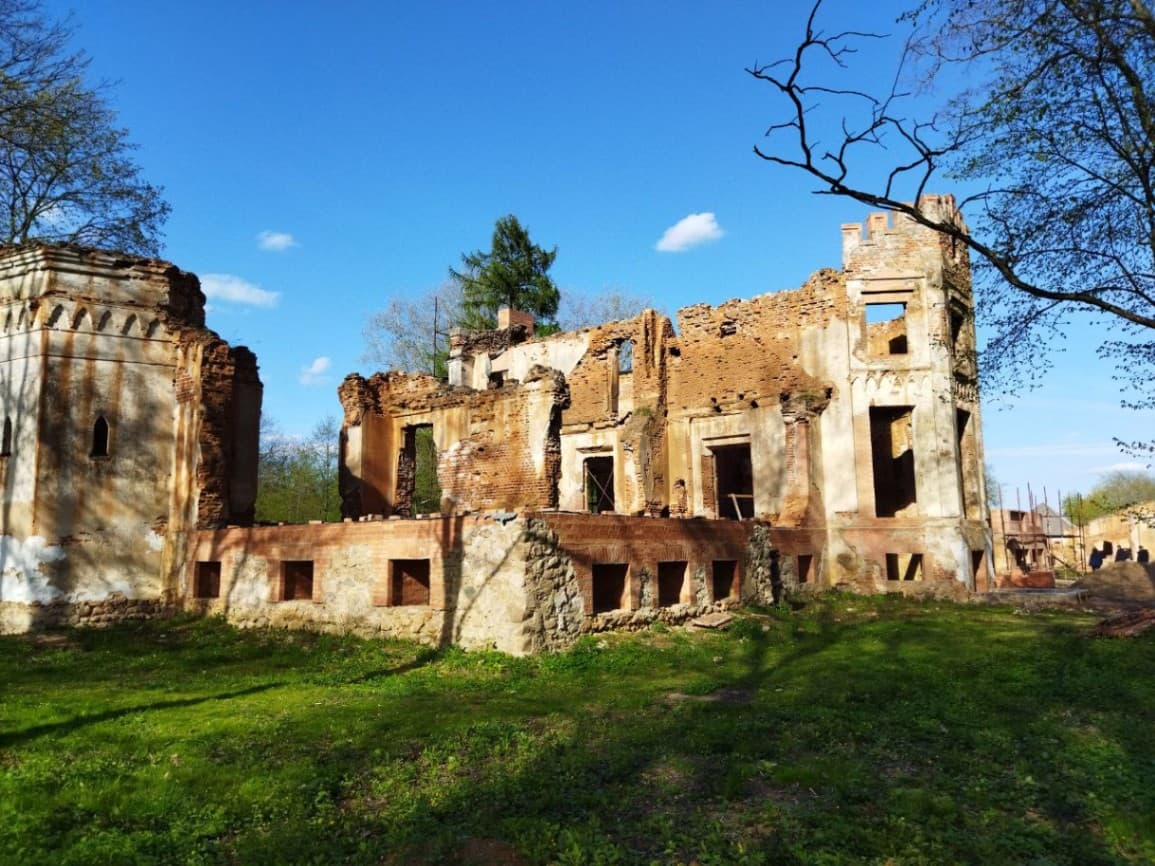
(504, 452)
(744, 352)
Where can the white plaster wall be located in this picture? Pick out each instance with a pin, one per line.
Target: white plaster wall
(492, 606)
(22, 578)
(559, 353)
(20, 383)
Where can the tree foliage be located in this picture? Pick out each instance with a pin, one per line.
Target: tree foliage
(66, 169)
(513, 273)
(1129, 492)
(297, 478)
(1045, 110)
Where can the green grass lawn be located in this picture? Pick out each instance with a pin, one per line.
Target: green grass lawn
(856, 730)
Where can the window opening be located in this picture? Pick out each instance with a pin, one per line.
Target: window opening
(496, 379)
(298, 580)
(671, 580)
(805, 560)
(410, 581)
(610, 582)
(599, 484)
(956, 326)
(6, 439)
(100, 438)
(904, 566)
(418, 488)
(892, 451)
(734, 481)
(977, 557)
(886, 329)
(207, 580)
(725, 578)
(966, 480)
(626, 356)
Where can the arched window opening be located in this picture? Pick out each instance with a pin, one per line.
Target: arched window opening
(100, 438)
(6, 439)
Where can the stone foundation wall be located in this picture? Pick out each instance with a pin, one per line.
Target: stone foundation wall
(18, 618)
(516, 583)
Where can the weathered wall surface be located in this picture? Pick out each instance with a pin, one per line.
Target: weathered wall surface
(497, 449)
(101, 461)
(519, 584)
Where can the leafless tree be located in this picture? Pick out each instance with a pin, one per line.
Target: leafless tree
(1043, 112)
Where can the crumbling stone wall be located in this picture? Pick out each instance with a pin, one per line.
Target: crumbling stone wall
(497, 449)
(745, 354)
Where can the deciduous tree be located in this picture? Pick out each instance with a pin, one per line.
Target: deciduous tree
(1044, 112)
(66, 169)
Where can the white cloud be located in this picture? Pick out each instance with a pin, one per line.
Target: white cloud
(275, 242)
(697, 228)
(314, 374)
(1129, 466)
(235, 290)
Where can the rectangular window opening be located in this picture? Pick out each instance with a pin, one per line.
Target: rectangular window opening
(734, 481)
(967, 462)
(207, 580)
(671, 581)
(977, 563)
(418, 488)
(610, 585)
(626, 356)
(599, 483)
(804, 562)
(903, 566)
(496, 379)
(725, 578)
(892, 452)
(410, 581)
(886, 329)
(956, 330)
(297, 578)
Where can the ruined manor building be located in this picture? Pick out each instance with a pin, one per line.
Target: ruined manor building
(553, 486)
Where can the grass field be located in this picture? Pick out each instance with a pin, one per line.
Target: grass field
(855, 730)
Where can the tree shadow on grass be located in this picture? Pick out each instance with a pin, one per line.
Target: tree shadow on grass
(69, 725)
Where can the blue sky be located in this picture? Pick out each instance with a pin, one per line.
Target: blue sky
(322, 159)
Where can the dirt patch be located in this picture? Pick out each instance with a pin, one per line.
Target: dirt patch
(491, 852)
(734, 696)
(51, 641)
(1130, 624)
(1123, 581)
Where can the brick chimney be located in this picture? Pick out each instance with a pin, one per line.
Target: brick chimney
(507, 317)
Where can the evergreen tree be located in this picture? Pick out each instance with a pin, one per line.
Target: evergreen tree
(513, 273)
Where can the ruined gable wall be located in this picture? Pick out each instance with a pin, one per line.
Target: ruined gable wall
(737, 367)
(497, 449)
(218, 394)
(619, 414)
(755, 350)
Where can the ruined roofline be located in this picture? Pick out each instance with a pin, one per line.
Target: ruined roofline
(38, 270)
(879, 224)
(79, 258)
